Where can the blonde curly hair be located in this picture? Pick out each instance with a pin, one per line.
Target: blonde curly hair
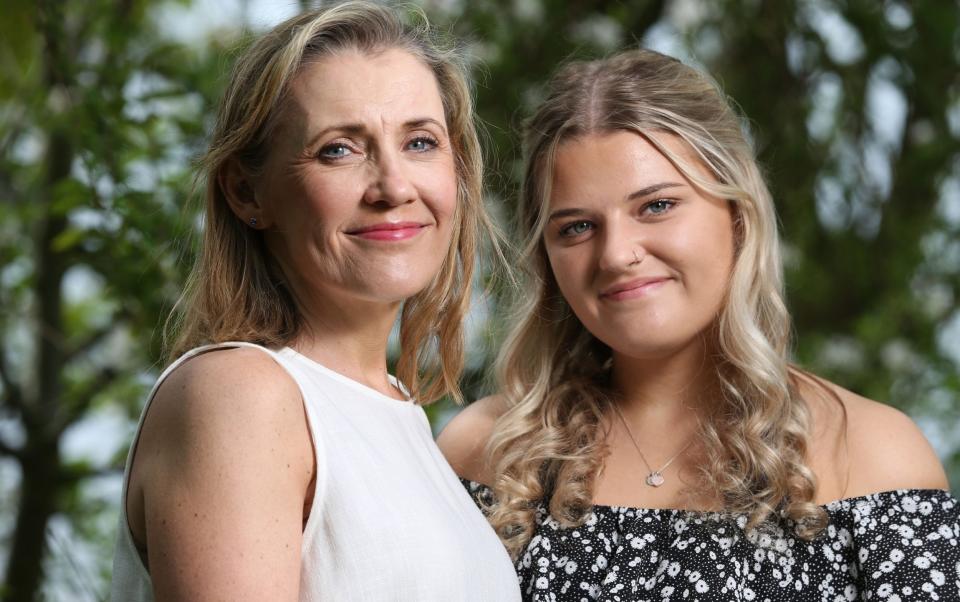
(549, 444)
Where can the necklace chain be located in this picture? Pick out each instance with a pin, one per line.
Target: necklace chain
(654, 477)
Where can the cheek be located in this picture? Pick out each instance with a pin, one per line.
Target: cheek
(571, 275)
(311, 202)
(720, 254)
(442, 196)
(707, 268)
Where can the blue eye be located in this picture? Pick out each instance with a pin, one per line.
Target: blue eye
(575, 228)
(422, 144)
(659, 207)
(337, 150)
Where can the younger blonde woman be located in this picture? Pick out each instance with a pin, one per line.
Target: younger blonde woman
(651, 440)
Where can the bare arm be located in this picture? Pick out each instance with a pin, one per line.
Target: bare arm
(463, 441)
(860, 446)
(888, 451)
(223, 468)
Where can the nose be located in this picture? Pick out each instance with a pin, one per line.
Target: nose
(390, 185)
(620, 248)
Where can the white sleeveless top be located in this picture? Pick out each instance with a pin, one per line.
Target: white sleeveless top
(390, 519)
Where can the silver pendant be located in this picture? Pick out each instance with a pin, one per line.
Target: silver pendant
(654, 479)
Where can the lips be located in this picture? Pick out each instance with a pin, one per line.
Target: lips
(388, 231)
(631, 289)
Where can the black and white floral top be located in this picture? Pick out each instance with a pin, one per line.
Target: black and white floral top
(891, 546)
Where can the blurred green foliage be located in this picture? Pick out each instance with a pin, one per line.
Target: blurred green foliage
(854, 106)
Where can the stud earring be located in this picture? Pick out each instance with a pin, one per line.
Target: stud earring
(253, 222)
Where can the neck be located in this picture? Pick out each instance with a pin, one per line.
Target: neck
(665, 390)
(349, 337)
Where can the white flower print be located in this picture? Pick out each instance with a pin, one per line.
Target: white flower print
(673, 569)
(897, 546)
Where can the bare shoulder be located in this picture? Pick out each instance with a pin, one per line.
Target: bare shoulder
(224, 406)
(234, 388)
(224, 463)
(888, 450)
(884, 449)
(465, 437)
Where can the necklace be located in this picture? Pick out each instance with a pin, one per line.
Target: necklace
(654, 477)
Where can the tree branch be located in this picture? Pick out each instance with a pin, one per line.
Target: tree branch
(15, 126)
(7, 450)
(96, 337)
(77, 471)
(14, 396)
(79, 401)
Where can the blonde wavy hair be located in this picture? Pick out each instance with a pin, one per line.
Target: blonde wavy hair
(236, 291)
(549, 444)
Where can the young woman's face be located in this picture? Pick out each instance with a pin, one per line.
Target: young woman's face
(359, 189)
(642, 257)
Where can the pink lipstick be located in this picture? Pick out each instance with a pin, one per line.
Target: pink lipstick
(633, 288)
(388, 231)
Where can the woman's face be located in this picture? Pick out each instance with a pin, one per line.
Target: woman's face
(642, 257)
(359, 188)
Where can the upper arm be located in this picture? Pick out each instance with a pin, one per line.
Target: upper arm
(226, 461)
(888, 451)
(464, 439)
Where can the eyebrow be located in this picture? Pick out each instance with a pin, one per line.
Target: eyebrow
(359, 128)
(636, 194)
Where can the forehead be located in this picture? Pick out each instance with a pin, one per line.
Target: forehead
(603, 165)
(378, 89)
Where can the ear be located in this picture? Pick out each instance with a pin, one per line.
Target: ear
(240, 193)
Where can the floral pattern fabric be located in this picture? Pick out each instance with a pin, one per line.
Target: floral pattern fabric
(890, 547)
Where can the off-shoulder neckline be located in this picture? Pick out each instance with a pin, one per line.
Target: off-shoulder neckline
(833, 505)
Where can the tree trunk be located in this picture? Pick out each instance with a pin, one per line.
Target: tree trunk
(43, 411)
(39, 491)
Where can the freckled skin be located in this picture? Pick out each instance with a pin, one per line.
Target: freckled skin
(362, 141)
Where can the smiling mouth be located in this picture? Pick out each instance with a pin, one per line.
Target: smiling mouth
(633, 289)
(389, 231)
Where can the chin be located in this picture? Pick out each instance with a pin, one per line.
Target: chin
(651, 348)
(394, 290)
(645, 352)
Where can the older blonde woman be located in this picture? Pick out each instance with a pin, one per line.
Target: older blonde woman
(277, 459)
(652, 440)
